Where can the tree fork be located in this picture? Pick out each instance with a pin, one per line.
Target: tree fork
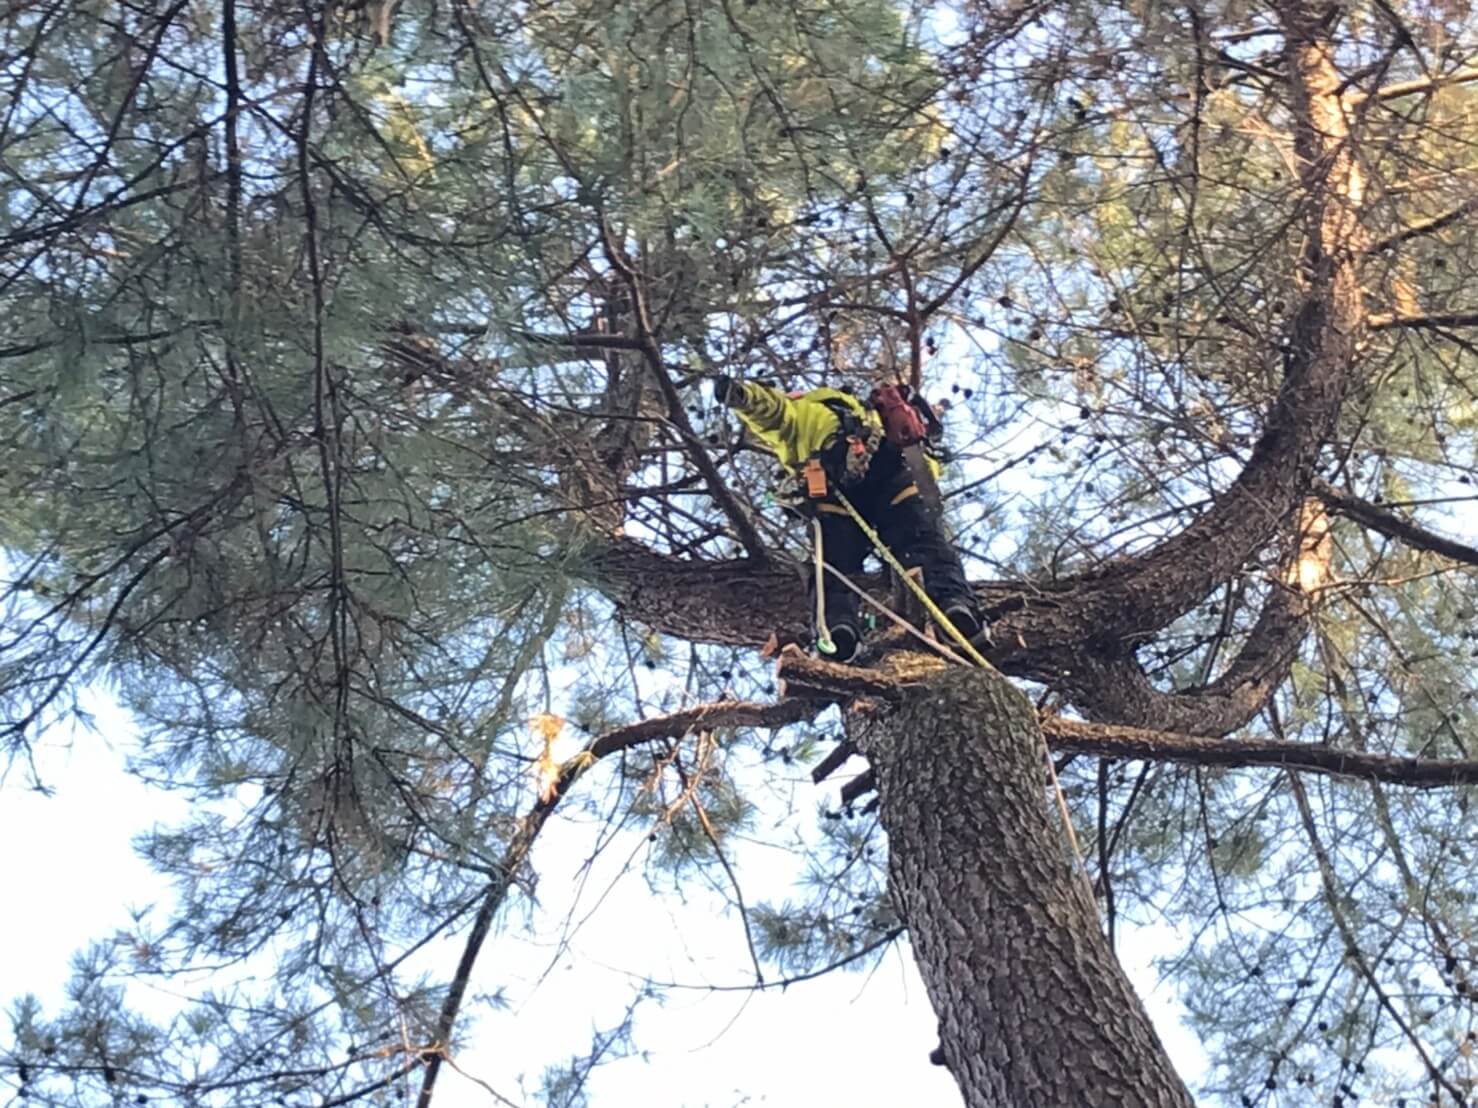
(1035, 1011)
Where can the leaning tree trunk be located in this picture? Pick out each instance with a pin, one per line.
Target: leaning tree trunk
(1033, 1007)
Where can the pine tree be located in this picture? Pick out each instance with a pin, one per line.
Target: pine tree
(354, 396)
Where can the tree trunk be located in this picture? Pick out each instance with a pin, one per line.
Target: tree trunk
(1034, 1009)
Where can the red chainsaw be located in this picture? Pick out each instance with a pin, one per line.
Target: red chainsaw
(909, 424)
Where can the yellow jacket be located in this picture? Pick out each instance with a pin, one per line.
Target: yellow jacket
(794, 428)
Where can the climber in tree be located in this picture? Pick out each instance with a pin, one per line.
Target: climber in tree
(829, 440)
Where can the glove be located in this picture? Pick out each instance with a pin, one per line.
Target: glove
(724, 388)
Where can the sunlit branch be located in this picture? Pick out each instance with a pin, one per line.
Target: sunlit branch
(1462, 76)
(1431, 321)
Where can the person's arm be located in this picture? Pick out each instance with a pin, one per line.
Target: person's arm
(767, 410)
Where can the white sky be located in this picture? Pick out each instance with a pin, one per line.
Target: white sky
(849, 1038)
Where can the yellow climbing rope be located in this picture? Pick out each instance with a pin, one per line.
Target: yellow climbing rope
(942, 620)
(955, 633)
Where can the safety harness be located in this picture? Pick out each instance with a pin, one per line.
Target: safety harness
(910, 424)
(904, 420)
(945, 624)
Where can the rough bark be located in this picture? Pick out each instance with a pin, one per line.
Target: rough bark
(741, 603)
(1114, 688)
(736, 602)
(1034, 1009)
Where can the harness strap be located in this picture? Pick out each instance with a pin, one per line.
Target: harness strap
(912, 490)
(847, 457)
(847, 415)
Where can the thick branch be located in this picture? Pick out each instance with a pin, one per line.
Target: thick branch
(1112, 741)
(1115, 688)
(813, 679)
(1139, 596)
(736, 602)
(1118, 689)
(1393, 526)
(843, 683)
(1108, 740)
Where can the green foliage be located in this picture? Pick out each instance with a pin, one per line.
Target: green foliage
(846, 913)
(317, 447)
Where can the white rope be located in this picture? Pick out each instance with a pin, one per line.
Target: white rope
(823, 632)
(889, 613)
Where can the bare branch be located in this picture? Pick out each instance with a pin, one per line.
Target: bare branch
(677, 414)
(811, 677)
(1425, 226)
(1390, 524)
(723, 713)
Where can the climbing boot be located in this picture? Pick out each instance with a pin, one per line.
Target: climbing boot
(845, 638)
(964, 618)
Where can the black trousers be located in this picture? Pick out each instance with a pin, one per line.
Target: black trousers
(907, 529)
